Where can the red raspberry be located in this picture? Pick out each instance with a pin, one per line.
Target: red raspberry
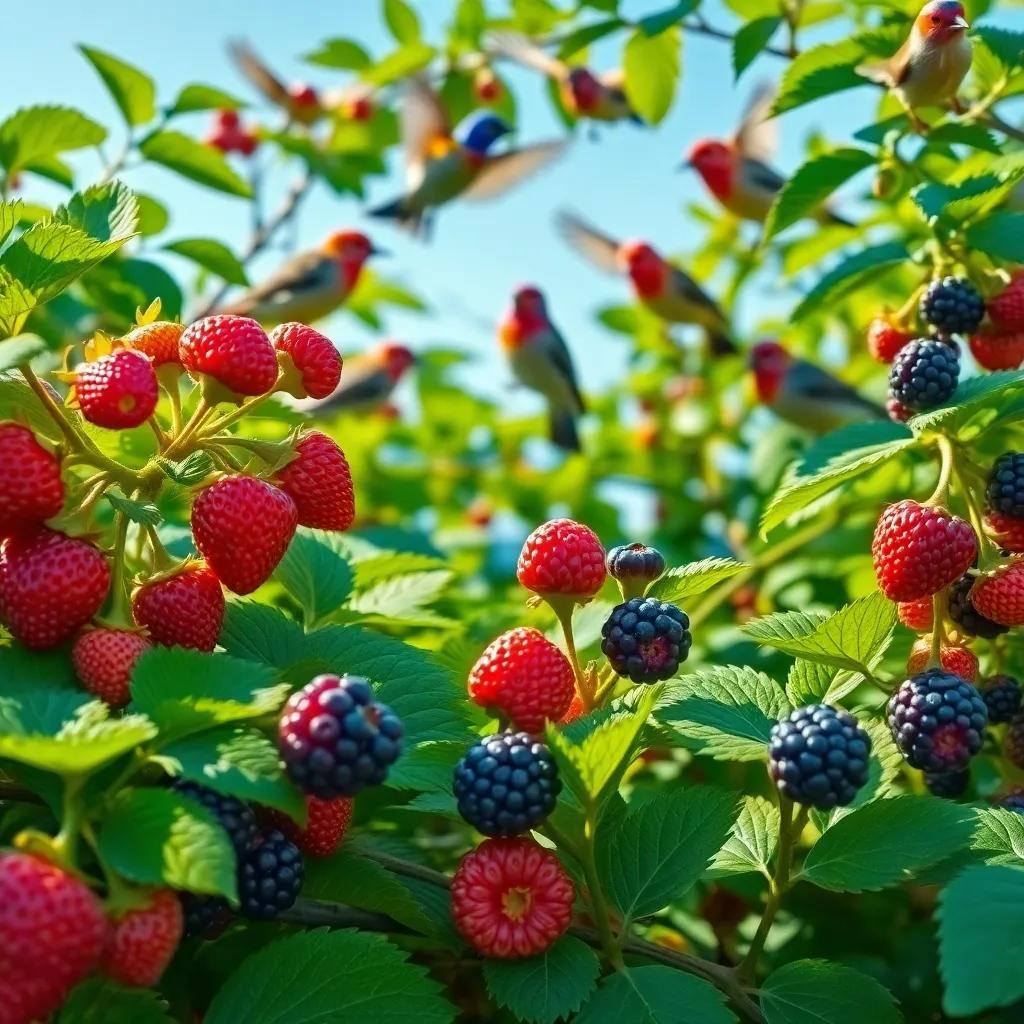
(916, 615)
(959, 660)
(183, 610)
(141, 942)
(319, 481)
(104, 659)
(562, 557)
(885, 339)
(233, 350)
(358, 108)
(511, 898)
(1006, 310)
(327, 822)
(53, 930)
(30, 485)
(50, 586)
(118, 391)
(998, 351)
(1000, 597)
(1006, 531)
(158, 340)
(524, 677)
(918, 550)
(242, 527)
(313, 355)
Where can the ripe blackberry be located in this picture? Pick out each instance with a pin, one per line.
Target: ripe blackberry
(506, 784)
(335, 738)
(205, 916)
(1013, 742)
(938, 721)
(924, 374)
(818, 755)
(1005, 492)
(635, 562)
(270, 876)
(948, 785)
(952, 304)
(966, 616)
(1002, 697)
(235, 817)
(646, 639)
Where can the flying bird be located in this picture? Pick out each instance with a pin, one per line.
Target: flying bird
(927, 69)
(540, 360)
(367, 380)
(662, 287)
(299, 100)
(442, 165)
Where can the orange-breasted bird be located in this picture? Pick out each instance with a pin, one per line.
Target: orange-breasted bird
(662, 287)
(368, 380)
(805, 394)
(539, 359)
(927, 69)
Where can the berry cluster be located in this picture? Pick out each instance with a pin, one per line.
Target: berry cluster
(646, 639)
(229, 135)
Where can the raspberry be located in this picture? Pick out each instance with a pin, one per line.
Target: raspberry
(315, 358)
(924, 374)
(158, 340)
(646, 639)
(141, 942)
(1006, 531)
(53, 929)
(319, 481)
(1013, 742)
(562, 557)
(635, 562)
(511, 898)
(183, 610)
(327, 822)
(918, 550)
(50, 586)
(1000, 597)
(937, 720)
(916, 615)
(960, 661)
(104, 659)
(31, 490)
(270, 876)
(1005, 490)
(952, 304)
(818, 755)
(205, 917)
(885, 339)
(897, 411)
(242, 527)
(234, 350)
(335, 738)
(948, 785)
(998, 351)
(966, 616)
(1006, 310)
(235, 817)
(117, 391)
(506, 784)
(1002, 697)
(524, 677)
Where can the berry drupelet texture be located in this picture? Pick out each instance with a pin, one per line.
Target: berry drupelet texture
(1005, 491)
(205, 917)
(948, 785)
(562, 557)
(924, 374)
(952, 304)
(270, 877)
(235, 817)
(966, 616)
(646, 640)
(1002, 697)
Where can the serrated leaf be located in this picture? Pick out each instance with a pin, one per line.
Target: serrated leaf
(816, 991)
(428, 766)
(101, 1001)
(977, 403)
(345, 54)
(147, 515)
(848, 444)
(257, 632)
(195, 161)
(1005, 44)
(132, 90)
(402, 597)
(22, 349)
(651, 64)
(753, 841)
(999, 836)
(851, 273)
(37, 133)
(688, 581)
(39, 692)
(655, 995)
(999, 235)
(751, 40)
(213, 256)
(808, 682)
(190, 470)
(197, 96)
(316, 571)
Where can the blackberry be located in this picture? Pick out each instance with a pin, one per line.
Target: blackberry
(1013, 742)
(1005, 492)
(635, 562)
(924, 374)
(335, 739)
(966, 616)
(646, 639)
(818, 755)
(938, 721)
(1001, 695)
(205, 917)
(948, 785)
(235, 817)
(952, 304)
(506, 784)
(1012, 801)
(270, 876)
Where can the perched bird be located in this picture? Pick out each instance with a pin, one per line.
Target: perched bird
(367, 381)
(540, 361)
(927, 69)
(441, 166)
(661, 286)
(299, 100)
(311, 284)
(805, 394)
(584, 93)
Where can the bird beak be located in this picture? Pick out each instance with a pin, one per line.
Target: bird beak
(377, 251)
(685, 165)
(960, 22)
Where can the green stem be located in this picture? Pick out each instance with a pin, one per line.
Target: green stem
(174, 397)
(162, 558)
(66, 841)
(120, 602)
(238, 414)
(597, 901)
(74, 439)
(940, 496)
(563, 609)
(199, 414)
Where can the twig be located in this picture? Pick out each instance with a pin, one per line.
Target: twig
(313, 913)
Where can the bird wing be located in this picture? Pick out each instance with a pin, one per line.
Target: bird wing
(891, 71)
(820, 385)
(614, 79)
(562, 359)
(758, 134)
(760, 177)
(300, 275)
(424, 122)
(258, 74)
(588, 241)
(517, 47)
(684, 286)
(361, 384)
(502, 172)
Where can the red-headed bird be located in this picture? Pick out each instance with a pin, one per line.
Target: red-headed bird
(805, 394)
(927, 69)
(540, 360)
(300, 101)
(368, 380)
(662, 287)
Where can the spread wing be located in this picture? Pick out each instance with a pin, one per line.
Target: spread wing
(589, 242)
(303, 274)
(259, 75)
(500, 173)
(424, 121)
(758, 133)
(518, 48)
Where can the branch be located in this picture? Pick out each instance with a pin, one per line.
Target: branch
(993, 120)
(313, 913)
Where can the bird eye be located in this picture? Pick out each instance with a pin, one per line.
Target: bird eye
(935, 19)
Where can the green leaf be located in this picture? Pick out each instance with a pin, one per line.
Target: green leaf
(213, 256)
(849, 444)
(28, 704)
(148, 515)
(999, 235)
(655, 24)
(405, 61)
(345, 54)
(886, 842)
(582, 37)
(688, 581)
(651, 65)
(101, 1001)
(133, 90)
(402, 21)
(816, 992)
(190, 470)
(197, 96)
(753, 841)
(851, 273)
(11, 214)
(428, 766)
(156, 837)
(263, 634)
(153, 215)
(316, 571)
(544, 989)
(1006, 45)
(999, 836)
(22, 349)
(657, 851)
(37, 133)
(976, 404)
(359, 978)
(808, 682)
(195, 161)
(751, 40)
(655, 995)
(403, 598)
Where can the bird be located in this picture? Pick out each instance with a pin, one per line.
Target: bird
(367, 381)
(583, 93)
(441, 165)
(539, 359)
(804, 394)
(927, 69)
(660, 286)
(299, 100)
(736, 170)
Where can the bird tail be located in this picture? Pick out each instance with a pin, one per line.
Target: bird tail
(720, 344)
(562, 425)
(396, 210)
(876, 71)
